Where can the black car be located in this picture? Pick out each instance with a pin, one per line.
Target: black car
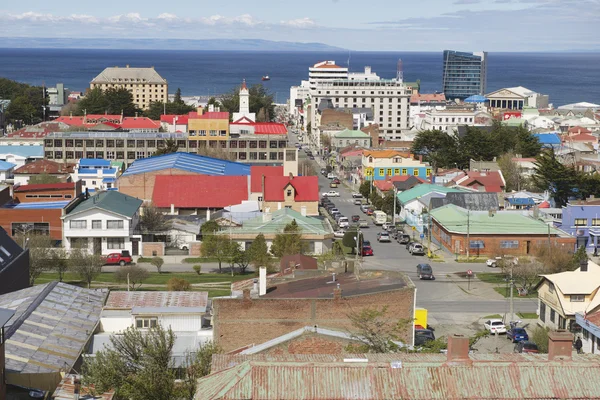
(526, 347)
(403, 239)
(425, 271)
(423, 335)
(355, 218)
(366, 243)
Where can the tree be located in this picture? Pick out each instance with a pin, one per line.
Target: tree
(209, 227)
(134, 275)
(258, 253)
(527, 144)
(377, 331)
(59, 262)
(170, 146)
(387, 203)
(158, 108)
(307, 168)
(197, 268)
(241, 258)
(94, 102)
(177, 99)
(158, 263)
(376, 200)
(152, 220)
(436, 147)
(349, 239)
(525, 273)
(197, 365)
(40, 252)
(87, 266)
(365, 189)
(137, 365)
(539, 336)
(551, 174)
(21, 109)
(555, 258)
(289, 241)
(261, 102)
(476, 144)
(178, 285)
(42, 179)
(218, 247)
(120, 100)
(510, 171)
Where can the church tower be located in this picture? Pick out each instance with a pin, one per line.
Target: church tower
(244, 111)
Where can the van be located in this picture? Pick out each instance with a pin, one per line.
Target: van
(343, 222)
(380, 217)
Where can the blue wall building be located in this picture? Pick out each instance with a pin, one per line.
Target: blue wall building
(582, 221)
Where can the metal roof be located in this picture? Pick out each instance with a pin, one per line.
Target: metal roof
(5, 166)
(421, 190)
(94, 162)
(187, 162)
(157, 300)
(278, 220)
(23, 151)
(5, 316)
(9, 250)
(42, 205)
(111, 201)
(51, 326)
(126, 75)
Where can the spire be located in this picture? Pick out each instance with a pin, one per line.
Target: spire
(244, 87)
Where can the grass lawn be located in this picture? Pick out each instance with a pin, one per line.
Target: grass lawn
(492, 277)
(528, 315)
(154, 279)
(504, 291)
(493, 316)
(471, 259)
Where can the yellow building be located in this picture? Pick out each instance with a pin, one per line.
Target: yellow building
(145, 84)
(209, 126)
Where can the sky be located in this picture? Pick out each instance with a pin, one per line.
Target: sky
(382, 25)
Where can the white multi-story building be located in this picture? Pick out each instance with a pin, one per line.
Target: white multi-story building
(447, 120)
(103, 223)
(326, 71)
(95, 174)
(299, 97)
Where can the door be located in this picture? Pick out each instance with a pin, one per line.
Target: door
(528, 246)
(97, 246)
(135, 247)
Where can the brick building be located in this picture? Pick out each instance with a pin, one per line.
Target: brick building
(46, 192)
(291, 305)
(491, 232)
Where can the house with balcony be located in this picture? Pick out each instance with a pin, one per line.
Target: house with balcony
(381, 164)
(103, 223)
(96, 174)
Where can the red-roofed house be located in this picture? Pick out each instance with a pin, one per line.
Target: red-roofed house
(140, 124)
(175, 123)
(195, 194)
(490, 181)
(210, 127)
(578, 130)
(300, 193)
(62, 171)
(256, 178)
(131, 124)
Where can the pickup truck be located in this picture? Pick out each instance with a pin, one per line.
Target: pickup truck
(118, 258)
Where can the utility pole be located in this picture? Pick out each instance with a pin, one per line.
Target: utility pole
(512, 284)
(429, 231)
(468, 244)
(395, 200)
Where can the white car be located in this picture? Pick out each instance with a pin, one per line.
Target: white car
(492, 262)
(495, 325)
(343, 222)
(331, 175)
(357, 196)
(331, 193)
(339, 233)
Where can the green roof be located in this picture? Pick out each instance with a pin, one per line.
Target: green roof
(350, 134)
(117, 164)
(422, 190)
(454, 219)
(279, 219)
(514, 122)
(111, 201)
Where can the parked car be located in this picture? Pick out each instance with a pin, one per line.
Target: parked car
(357, 202)
(492, 262)
(311, 157)
(495, 325)
(403, 239)
(370, 211)
(423, 335)
(331, 193)
(366, 242)
(364, 208)
(409, 244)
(526, 347)
(336, 181)
(517, 334)
(385, 226)
(343, 222)
(417, 249)
(383, 237)
(425, 271)
(323, 172)
(367, 251)
(339, 233)
(118, 259)
(355, 218)
(357, 196)
(362, 223)
(333, 185)
(496, 261)
(331, 175)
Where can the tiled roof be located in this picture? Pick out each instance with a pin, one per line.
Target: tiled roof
(427, 98)
(45, 186)
(139, 123)
(45, 167)
(199, 191)
(306, 188)
(51, 326)
(118, 300)
(129, 75)
(188, 162)
(578, 130)
(111, 201)
(257, 173)
(581, 137)
(492, 181)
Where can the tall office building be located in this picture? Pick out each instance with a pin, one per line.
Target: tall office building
(464, 74)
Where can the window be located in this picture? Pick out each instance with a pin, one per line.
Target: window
(253, 155)
(213, 132)
(509, 244)
(273, 144)
(96, 224)
(580, 221)
(415, 172)
(262, 144)
(381, 172)
(233, 144)
(577, 298)
(428, 172)
(551, 287)
(78, 224)
(146, 322)
(114, 224)
(262, 155)
(552, 315)
(253, 144)
(595, 221)
(543, 311)
(115, 243)
(289, 192)
(404, 171)
(396, 171)
(476, 244)
(273, 156)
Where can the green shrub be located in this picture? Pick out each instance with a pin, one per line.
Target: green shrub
(197, 268)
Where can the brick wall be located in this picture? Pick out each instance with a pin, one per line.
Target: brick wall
(148, 249)
(21, 196)
(142, 185)
(311, 343)
(239, 322)
(195, 249)
(5, 196)
(9, 216)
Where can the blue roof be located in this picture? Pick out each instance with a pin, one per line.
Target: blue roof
(476, 98)
(94, 162)
(108, 180)
(548, 138)
(4, 166)
(105, 171)
(521, 201)
(188, 162)
(38, 205)
(23, 151)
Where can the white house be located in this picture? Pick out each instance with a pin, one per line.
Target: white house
(95, 174)
(103, 223)
(21, 155)
(6, 170)
(186, 313)
(447, 119)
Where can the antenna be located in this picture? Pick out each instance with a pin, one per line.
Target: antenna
(400, 71)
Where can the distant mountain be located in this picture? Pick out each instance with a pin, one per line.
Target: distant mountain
(165, 44)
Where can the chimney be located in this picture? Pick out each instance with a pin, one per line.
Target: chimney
(303, 211)
(246, 295)
(420, 158)
(291, 176)
(583, 265)
(200, 110)
(337, 293)
(560, 346)
(262, 281)
(172, 209)
(458, 349)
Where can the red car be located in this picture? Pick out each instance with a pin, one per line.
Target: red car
(367, 251)
(117, 258)
(369, 211)
(336, 181)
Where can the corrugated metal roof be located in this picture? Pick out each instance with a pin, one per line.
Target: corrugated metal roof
(41, 205)
(129, 300)
(382, 381)
(23, 151)
(93, 162)
(66, 390)
(45, 186)
(111, 201)
(187, 162)
(198, 191)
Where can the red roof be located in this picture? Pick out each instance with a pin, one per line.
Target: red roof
(45, 186)
(77, 121)
(582, 137)
(199, 191)
(45, 167)
(544, 204)
(139, 123)
(306, 188)
(170, 119)
(492, 181)
(578, 129)
(427, 97)
(256, 174)
(212, 115)
(269, 128)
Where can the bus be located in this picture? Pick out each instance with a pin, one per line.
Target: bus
(380, 217)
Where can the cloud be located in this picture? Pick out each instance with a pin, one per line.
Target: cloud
(300, 23)
(35, 17)
(467, 2)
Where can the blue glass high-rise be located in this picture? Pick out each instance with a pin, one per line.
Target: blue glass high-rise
(464, 74)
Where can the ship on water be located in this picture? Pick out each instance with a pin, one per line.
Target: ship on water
(266, 78)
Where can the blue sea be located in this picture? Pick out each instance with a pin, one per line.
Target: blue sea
(566, 77)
